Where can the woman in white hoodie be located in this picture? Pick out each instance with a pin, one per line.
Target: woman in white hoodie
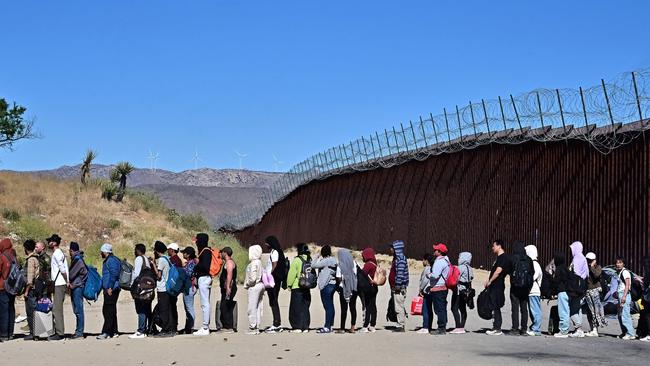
(255, 287)
(534, 298)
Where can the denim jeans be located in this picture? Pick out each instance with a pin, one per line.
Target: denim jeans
(145, 317)
(440, 308)
(427, 311)
(564, 312)
(77, 296)
(7, 314)
(535, 308)
(624, 318)
(327, 296)
(190, 314)
(575, 311)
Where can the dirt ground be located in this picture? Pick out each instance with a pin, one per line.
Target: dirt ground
(382, 347)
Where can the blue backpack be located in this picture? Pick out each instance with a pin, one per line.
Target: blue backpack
(93, 285)
(177, 280)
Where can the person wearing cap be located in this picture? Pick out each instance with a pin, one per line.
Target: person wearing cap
(59, 274)
(163, 264)
(595, 309)
(439, 290)
(78, 276)
(203, 280)
(111, 290)
(172, 252)
(188, 299)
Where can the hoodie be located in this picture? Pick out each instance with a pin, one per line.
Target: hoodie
(579, 262)
(78, 271)
(561, 273)
(531, 251)
(369, 262)
(399, 271)
(205, 256)
(7, 256)
(254, 268)
(326, 267)
(466, 271)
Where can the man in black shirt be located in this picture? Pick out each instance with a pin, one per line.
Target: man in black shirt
(496, 285)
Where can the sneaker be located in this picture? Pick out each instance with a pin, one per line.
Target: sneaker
(202, 332)
(399, 330)
(103, 336)
(628, 337)
(646, 339)
(137, 335)
(496, 332)
(164, 335)
(324, 331)
(458, 331)
(20, 319)
(270, 330)
(593, 333)
(533, 334)
(28, 337)
(77, 336)
(253, 331)
(364, 330)
(372, 329)
(297, 331)
(561, 335)
(116, 335)
(423, 331)
(438, 332)
(577, 334)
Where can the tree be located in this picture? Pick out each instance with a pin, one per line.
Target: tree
(119, 174)
(13, 127)
(85, 166)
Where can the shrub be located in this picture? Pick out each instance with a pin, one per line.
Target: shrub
(29, 227)
(11, 215)
(113, 224)
(109, 192)
(147, 201)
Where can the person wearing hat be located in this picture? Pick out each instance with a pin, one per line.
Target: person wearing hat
(439, 290)
(595, 309)
(189, 254)
(172, 252)
(59, 275)
(78, 276)
(111, 290)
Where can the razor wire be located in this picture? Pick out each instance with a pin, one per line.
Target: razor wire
(607, 116)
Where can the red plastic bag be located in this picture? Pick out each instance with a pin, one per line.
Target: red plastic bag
(416, 305)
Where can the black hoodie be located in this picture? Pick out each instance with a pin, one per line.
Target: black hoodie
(561, 274)
(205, 256)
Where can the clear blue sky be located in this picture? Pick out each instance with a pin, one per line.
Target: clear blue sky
(289, 78)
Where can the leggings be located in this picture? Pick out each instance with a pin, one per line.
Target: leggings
(459, 309)
(370, 304)
(344, 308)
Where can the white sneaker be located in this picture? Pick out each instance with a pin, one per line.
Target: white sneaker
(628, 337)
(253, 331)
(20, 319)
(593, 333)
(646, 339)
(423, 331)
(533, 334)
(577, 334)
(494, 332)
(297, 331)
(561, 335)
(137, 335)
(202, 332)
(363, 330)
(372, 329)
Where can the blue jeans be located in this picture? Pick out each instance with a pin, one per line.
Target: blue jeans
(327, 296)
(143, 309)
(535, 309)
(190, 315)
(427, 311)
(77, 296)
(7, 314)
(440, 308)
(624, 318)
(564, 312)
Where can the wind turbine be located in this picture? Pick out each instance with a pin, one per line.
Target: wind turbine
(241, 158)
(196, 159)
(277, 163)
(153, 158)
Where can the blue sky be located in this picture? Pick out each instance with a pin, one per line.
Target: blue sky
(289, 78)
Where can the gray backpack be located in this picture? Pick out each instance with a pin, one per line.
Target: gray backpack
(16, 281)
(126, 271)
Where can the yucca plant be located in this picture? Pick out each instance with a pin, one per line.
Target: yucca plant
(119, 174)
(85, 166)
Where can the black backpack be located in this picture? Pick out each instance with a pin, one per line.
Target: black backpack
(523, 273)
(308, 278)
(363, 282)
(547, 289)
(576, 286)
(144, 286)
(484, 305)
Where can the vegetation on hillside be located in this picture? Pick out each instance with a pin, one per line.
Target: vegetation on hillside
(13, 126)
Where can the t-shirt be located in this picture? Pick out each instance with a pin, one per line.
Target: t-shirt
(138, 265)
(274, 256)
(624, 275)
(58, 267)
(505, 263)
(163, 266)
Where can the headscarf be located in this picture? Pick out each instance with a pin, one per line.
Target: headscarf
(368, 255)
(579, 262)
(254, 253)
(346, 264)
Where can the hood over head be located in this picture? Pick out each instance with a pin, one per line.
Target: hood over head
(398, 247)
(559, 259)
(5, 244)
(579, 262)
(368, 255)
(531, 251)
(465, 258)
(519, 248)
(576, 248)
(254, 252)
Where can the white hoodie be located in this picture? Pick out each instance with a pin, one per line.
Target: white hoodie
(531, 251)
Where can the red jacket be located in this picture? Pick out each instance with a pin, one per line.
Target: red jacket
(6, 250)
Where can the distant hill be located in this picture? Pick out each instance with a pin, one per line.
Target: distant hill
(213, 193)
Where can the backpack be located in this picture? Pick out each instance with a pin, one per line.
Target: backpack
(16, 281)
(363, 282)
(93, 285)
(216, 262)
(576, 286)
(177, 280)
(126, 273)
(636, 287)
(308, 279)
(380, 276)
(483, 305)
(452, 276)
(144, 286)
(523, 273)
(45, 275)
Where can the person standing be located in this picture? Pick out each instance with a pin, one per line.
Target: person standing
(496, 285)
(580, 267)
(172, 255)
(299, 316)
(644, 321)
(439, 290)
(7, 300)
(346, 274)
(78, 276)
(369, 298)
(204, 280)
(142, 307)
(188, 299)
(279, 272)
(111, 291)
(523, 272)
(425, 293)
(326, 266)
(534, 296)
(228, 285)
(163, 264)
(32, 288)
(399, 282)
(596, 311)
(560, 279)
(460, 295)
(625, 300)
(255, 287)
(59, 274)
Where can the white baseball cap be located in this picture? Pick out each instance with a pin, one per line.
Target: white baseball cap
(173, 246)
(591, 256)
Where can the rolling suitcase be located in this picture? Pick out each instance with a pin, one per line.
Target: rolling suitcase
(554, 321)
(43, 324)
(217, 316)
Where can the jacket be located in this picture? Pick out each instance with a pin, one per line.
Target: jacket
(439, 273)
(369, 262)
(111, 273)
(205, 261)
(593, 281)
(561, 273)
(7, 256)
(33, 268)
(579, 262)
(538, 275)
(254, 268)
(78, 272)
(399, 271)
(466, 271)
(293, 277)
(327, 271)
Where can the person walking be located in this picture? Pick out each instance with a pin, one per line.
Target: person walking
(204, 280)
(595, 309)
(279, 271)
(370, 297)
(624, 300)
(142, 307)
(496, 285)
(460, 296)
(255, 287)
(326, 265)
(299, 316)
(439, 291)
(521, 282)
(188, 299)
(32, 287)
(228, 285)
(425, 293)
(534, 295)
(111, 291)
(346, 274)
(59, 275)
(399, 282)
(78, 276)
(7, 300)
